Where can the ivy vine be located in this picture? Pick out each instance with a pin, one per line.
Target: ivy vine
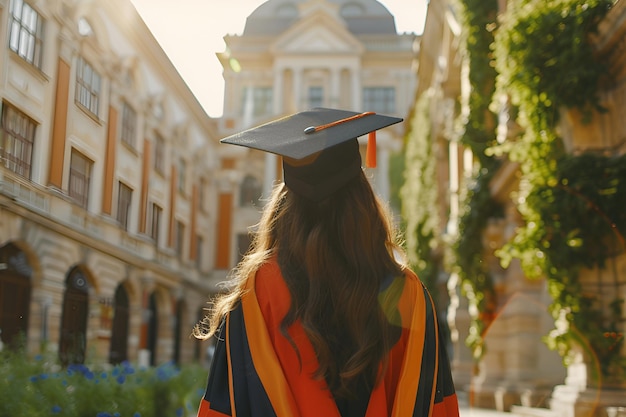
(419, 196)
(478, 18)
(572, 206)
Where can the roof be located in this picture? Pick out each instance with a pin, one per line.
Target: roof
(363, 17)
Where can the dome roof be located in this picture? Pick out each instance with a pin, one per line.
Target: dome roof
(361, 16)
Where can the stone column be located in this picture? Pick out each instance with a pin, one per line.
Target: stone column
(335, 87)
(297, 88)
(143, 354)
(356, 88)
(587, 393)
(459, 323)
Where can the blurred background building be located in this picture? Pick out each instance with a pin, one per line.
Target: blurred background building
(107, 187)
(297, 55)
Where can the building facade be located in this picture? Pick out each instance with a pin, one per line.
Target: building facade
(108, 187)
(295, 55)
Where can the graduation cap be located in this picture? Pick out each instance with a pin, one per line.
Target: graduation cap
(319, 147)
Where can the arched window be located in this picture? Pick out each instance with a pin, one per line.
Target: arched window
(119, 332)
(250, 191)
(153, 326)
(179, 314)
(15, 289)
(73, 342)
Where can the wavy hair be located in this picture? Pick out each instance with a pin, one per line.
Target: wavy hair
(333, 256)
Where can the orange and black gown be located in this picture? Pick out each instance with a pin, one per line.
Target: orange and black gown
(256, 372)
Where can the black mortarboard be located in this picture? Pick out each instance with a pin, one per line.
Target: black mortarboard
(319, 147)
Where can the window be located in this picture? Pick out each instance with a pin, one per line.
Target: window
(182, 175)
(316, 97)
(87, 87)
(25, 37)
(159, 155)
(257, 101)
(129, 125)
(124, 198)
(179, 238)
(155, 214)
(202, 194)
(250, 191)
(16, 140)
(199, 249)
(80, 170)
(379, 99)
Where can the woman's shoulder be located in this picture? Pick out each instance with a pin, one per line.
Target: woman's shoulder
(271, 290)
(268, 273)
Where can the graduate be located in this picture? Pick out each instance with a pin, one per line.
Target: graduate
(322, 317)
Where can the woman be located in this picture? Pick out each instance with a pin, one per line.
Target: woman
(322, 318)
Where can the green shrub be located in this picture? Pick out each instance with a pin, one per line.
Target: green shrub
(39, 386)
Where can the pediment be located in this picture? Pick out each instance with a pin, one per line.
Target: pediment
(317, 33)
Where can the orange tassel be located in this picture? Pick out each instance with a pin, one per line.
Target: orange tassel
(370, 155)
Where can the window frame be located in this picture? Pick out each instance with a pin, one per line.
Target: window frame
(250, 191)
(158, 163)
(82, 199)
(155, 221)
(128, 130)
(19, 161)
(88, 87)
(182, 175)
(379, 99)
(124, 203)
(26, 38)
(315, 96)
(262, 100)
(179, 238)
(199, 249)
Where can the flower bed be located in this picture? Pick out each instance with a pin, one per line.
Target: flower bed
(39, 386)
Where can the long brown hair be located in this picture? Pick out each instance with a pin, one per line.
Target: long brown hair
(333, 256)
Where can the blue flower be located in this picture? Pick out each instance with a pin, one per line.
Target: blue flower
(127, 367)
(55, 409)
(137, 414)
(103, 414)
(103, 375)
(120, 379)
(38, 357)
(179, 412)
(78, 367)
(43, 376)
(33, 379)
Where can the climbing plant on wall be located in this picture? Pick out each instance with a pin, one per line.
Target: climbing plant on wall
(419, 195)
(572, 205)
(478, 18)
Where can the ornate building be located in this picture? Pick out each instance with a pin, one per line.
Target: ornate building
(299, 54)
(107, 187)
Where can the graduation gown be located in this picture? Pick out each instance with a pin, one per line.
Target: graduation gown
(255, 371)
